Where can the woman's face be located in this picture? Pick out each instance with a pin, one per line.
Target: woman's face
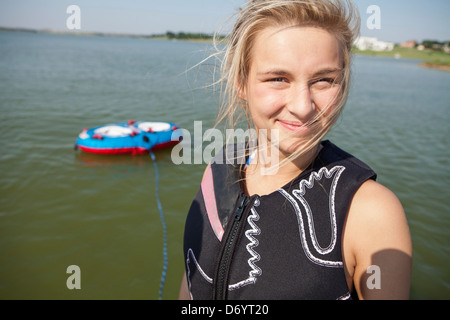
(294, 74)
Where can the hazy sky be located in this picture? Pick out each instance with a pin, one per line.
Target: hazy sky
(401, 20)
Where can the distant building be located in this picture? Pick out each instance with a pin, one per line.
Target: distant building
(436, 46)
(446, 47)
(367, 43)
(409, 44)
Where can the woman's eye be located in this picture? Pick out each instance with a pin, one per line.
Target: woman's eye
(324, 83)
(277, 80)
(327, 80)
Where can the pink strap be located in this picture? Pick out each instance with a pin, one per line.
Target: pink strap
(210, 203)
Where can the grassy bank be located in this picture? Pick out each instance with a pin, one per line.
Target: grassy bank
(429, 58)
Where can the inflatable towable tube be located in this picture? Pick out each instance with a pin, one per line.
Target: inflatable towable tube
(132, 137)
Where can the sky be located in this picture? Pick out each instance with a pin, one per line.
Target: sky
(399, 20)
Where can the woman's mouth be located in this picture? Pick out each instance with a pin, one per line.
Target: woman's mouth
(293, 125)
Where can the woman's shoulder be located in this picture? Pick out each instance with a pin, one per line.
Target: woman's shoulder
(377, 216)
(375, 201)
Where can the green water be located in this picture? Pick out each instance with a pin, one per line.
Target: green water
(60, 207)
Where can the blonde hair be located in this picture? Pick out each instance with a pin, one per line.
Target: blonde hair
(340, 18)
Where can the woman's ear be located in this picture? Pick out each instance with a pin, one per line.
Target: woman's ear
(242, 92)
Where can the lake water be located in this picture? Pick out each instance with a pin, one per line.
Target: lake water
(60, 207)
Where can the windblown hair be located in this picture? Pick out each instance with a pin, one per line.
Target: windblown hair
(340, 18)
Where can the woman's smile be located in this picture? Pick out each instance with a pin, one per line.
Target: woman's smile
(295, 126)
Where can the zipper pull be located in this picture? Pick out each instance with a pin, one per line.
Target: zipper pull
(243, 201)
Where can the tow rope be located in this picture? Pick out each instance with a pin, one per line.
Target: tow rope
(161, 216)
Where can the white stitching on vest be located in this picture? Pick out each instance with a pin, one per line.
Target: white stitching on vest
(299, 193)
(255, 257)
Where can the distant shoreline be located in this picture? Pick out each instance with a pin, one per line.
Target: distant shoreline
(430, 65)
(200, 37)
(74, 33)
(429, 59)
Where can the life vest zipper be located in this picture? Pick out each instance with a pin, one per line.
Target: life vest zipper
(229, 245)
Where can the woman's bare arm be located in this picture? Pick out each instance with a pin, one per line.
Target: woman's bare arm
(184, 290)
(377, 244)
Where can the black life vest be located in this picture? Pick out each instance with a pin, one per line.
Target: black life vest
(285, 245)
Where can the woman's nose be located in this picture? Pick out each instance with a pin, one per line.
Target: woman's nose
(301, 104)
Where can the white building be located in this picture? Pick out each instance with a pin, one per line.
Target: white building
(367, 43)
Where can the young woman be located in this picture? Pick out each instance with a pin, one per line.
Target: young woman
(313, 224)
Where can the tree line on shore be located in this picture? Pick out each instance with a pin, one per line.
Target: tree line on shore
(186, 36)
(435, 45)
